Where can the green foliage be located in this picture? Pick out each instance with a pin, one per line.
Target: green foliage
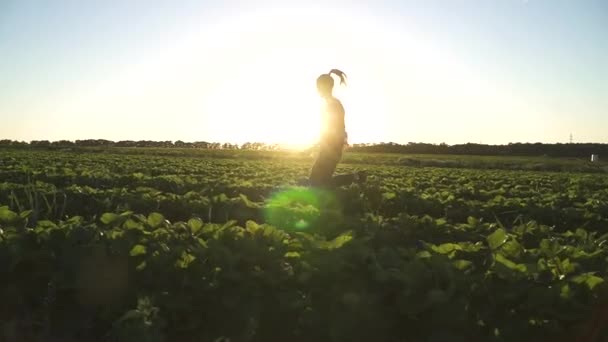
(177, 248)
(7, 216)
(137, 250)
(155, 220)
(497, 239)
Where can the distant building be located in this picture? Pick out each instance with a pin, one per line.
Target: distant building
(595, 158)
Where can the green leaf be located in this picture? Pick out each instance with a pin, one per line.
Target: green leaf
(109, 218)
(46, 224)
(448, 249)
(441, 222)
(202, 242)
(565, 291)
(551, 248)
(423, 255)
(512, 249)
(132, 224)
(472, 221)
(221, 198)
(471, 247)
(340, 241)
(567, 267)
(7, 215)
(25, 214)
(497, 239)
(139, 217)
(462, 264)
(269, 230)
(75, 220)
(228, 224)
(248, 203)
(141, 266)
(137, 250)
(581, 233)
(545, 246)
(292, 255)
(164, 247)
(155, 220)
(185, 260)
(252, 226)
(389, 195)
(510, 264)
(195, 225)
(582, 255)
(115, 234)
(590, 279)
(126, 214)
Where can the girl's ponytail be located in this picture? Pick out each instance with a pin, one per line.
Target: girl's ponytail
(340, 74)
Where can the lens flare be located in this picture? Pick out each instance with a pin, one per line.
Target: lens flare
(302, 209)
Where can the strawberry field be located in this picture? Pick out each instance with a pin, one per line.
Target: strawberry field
(147, 245)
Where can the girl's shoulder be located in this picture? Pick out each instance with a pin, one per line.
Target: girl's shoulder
(335, 105)
(333, 100)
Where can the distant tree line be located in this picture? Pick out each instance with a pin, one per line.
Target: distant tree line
(140, 143)
(511, 149)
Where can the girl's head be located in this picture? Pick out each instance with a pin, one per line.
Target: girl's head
(325, 83)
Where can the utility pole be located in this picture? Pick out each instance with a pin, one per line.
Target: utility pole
(571, 138)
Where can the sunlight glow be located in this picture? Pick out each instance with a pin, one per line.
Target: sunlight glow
(251, 78)
(267, 90)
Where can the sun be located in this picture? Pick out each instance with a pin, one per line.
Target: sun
(252, 78)
(254, 103)
(267, 88)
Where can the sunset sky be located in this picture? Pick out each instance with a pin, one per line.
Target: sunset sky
(454, 71)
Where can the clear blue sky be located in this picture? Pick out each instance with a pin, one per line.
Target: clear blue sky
(454, 71)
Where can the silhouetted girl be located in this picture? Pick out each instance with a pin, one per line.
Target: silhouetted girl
(333, 137)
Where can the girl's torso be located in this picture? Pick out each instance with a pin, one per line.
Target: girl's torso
(333, 120)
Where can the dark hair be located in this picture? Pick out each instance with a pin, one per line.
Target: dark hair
(340, 74)
(327, 81)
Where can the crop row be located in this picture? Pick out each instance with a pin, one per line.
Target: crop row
(87, 185)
